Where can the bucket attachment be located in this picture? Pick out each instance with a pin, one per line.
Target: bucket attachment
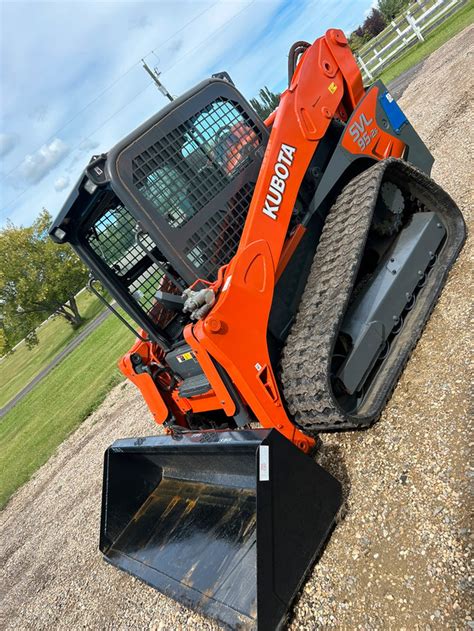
(227, 523)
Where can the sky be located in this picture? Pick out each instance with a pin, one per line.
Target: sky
(72, 82)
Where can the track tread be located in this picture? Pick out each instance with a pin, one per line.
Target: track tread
(305, 373)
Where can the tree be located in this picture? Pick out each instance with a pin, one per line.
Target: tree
(374, 23)
(266, 102)
(118, 234)
(391, 8)
(357, 39)
(37, 279)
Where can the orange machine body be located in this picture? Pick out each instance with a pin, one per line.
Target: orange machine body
(327, 84)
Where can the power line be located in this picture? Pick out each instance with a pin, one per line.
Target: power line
(109, 87)
(11, 202)
(155, 75)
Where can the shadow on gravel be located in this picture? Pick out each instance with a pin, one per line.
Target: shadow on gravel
(330, 457)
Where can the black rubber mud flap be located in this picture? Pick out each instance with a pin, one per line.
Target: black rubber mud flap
(227, 523)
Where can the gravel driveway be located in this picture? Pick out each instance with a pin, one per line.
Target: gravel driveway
(400, 557)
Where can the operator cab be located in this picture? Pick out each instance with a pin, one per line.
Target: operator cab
(168, 203)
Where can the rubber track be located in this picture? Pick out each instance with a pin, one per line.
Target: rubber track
(306, 358)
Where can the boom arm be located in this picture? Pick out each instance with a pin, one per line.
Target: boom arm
(326, 84)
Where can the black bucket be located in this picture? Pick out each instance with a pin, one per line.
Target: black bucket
(227, 523)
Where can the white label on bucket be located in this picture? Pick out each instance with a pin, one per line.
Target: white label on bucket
(264, 463)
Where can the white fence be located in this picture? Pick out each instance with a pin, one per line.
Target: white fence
(406, 30)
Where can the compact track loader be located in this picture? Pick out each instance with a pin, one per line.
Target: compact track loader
(280, 273)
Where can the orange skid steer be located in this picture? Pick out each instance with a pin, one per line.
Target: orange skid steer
(280, 273)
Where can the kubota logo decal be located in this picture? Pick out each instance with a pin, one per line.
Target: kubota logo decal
(278, 181)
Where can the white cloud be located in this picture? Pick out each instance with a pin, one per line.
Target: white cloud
(61, 183)
(82, 155)
(40, 113)
(140, 22)
(37, 165)
(7, 142)
(88, 145)
(93, 90)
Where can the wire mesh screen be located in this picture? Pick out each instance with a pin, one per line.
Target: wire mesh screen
(183, 171)
(112, 238)
(216, 242)
(144, 288)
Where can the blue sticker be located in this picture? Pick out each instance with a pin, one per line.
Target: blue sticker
(393, 111)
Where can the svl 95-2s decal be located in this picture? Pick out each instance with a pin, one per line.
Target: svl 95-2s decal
(360, 132)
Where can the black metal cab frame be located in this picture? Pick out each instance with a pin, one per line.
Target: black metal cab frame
(171, 199)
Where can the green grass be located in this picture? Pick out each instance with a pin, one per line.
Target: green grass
(20, 367)
(33, 429)
(452, 26)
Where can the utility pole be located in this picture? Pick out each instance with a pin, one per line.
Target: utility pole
(155, 75)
